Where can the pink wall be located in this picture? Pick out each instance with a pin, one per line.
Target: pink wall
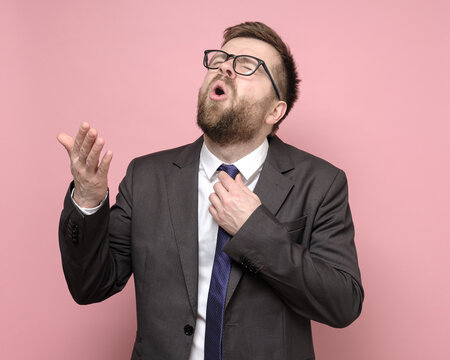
(374, 101)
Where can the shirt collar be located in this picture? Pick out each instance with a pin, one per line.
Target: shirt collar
(248, 165)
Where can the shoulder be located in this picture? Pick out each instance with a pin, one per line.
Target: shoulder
(312, 173)
(178, 156)
(299, 160)
(159, 157)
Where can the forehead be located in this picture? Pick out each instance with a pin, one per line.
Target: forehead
(254, 47)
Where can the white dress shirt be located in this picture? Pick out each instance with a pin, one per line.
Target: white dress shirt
(250, 167)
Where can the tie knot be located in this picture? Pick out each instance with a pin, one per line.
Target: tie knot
(229, 169)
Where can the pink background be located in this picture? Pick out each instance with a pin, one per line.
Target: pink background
(374, 101)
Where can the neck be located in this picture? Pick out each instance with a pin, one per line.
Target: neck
(229, 154)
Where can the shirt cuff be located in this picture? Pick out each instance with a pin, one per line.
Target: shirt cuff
(88, 211)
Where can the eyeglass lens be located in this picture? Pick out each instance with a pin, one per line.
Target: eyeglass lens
(243, 65)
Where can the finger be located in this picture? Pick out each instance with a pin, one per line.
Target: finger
(86, 147)
(226, 180)
(220, 190)
(214, 214)
(240, 181)
(84, 128)
(66, 141)
(104, 164)
(94, 155)
(215, 201)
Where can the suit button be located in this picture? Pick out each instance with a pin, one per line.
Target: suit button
(75, 233)
(188, 330)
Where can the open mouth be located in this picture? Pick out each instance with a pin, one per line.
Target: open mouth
(219, 91)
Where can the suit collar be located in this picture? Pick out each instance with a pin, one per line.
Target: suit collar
(189, 154)
(278, 155)
(273, 186)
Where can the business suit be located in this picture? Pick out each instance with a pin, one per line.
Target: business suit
(293, 260)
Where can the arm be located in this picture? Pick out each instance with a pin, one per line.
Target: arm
(95, 249)
(321, 282)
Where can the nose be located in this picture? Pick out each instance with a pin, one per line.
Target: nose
(226, 68)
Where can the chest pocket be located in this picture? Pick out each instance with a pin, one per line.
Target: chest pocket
(296, 228)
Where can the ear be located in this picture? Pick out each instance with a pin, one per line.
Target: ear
(277, 112)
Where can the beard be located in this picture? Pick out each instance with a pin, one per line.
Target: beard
(238, 123)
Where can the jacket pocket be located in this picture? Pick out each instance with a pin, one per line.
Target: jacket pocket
(296, 224)
(296, 228)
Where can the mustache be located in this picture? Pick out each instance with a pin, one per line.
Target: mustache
(228, 82)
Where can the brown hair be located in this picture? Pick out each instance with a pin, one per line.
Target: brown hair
(285, 74)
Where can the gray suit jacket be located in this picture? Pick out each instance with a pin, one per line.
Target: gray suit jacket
(294, 260)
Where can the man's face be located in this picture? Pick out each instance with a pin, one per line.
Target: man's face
(238, 115)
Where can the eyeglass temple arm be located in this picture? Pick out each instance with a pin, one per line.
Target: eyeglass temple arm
(271, 79)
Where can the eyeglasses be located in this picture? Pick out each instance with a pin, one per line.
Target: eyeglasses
(245, 65)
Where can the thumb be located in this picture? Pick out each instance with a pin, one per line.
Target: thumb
(66, 141)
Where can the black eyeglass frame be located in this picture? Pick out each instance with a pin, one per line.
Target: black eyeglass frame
(235, 57)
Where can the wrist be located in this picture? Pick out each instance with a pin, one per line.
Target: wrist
(88, 202)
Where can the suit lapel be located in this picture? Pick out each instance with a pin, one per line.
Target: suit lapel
(272, 189)
(182, 185)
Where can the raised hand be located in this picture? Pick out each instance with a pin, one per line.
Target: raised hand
(232, 203)
(90, 177)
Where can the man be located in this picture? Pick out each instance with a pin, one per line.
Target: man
(236, 241)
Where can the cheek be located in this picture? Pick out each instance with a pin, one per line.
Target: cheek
(245, 87)
(203, 87)
(251, 89)
(207, 80)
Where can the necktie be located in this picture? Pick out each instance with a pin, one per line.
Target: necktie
(218, 289)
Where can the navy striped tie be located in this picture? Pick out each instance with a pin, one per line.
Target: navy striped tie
(218, 289)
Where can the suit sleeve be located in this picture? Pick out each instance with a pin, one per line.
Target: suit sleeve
(96, 249)
(321, 282)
